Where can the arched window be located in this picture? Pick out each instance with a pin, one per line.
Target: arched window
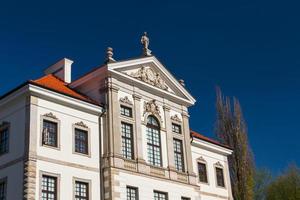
(153, 141)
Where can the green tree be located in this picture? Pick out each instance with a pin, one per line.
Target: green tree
(262, 180)
(231, 129)
(286, 186)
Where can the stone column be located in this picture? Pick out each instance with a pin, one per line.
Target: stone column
(170, 147)
(138, 145)
(188, 149)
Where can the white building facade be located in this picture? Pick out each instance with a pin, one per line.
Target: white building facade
(120, 132)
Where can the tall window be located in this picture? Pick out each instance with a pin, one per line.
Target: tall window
(202, 172)
(81, 190)
(49, 133)
(132, 193)
(127, 140)
(220, 177)
(3, 187)
(4, 142)
(178, 155)
(125, 111)
(153, 141)
(49, 188)
(176, 128)
(81, 141)
(160, 195)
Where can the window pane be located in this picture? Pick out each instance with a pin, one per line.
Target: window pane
(220, 177)
(176, 128)
(81, 141)
(125, 111)
(81, 191)
(3, 190)
(4, 142)
(202, 172)
(132, 193)
(178, 155)
(127, 140)
(160, 196)
(49, 188)
(50, 133)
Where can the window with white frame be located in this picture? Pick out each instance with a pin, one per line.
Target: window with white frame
(160, 195)
(3, 189)
(131, 193)
(127, 140)
(178, 154)
(126, 111)
(81, 190)
(50, 133)
(220, 177)
(153, 141)
(4, 139)
(49, 187)
(81, 141)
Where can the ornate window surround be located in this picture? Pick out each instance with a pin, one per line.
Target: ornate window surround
(219, 165)
(52, 118)
(203, 161)
(81, 126)
(126, 102)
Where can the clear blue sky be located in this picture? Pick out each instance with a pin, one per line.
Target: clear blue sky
(251, 48)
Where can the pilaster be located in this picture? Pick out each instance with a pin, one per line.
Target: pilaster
(188, 149)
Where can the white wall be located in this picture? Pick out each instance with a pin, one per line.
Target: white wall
(211, 158)
(147, 185)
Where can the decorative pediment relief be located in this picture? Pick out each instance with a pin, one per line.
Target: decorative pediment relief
(50, 115)
(126, 100)
(218, 164)
(152, 107)
(82, 124)
(151, 77)
(176, 118)
(201, 159)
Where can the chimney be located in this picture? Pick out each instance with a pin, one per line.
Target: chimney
(62, 69)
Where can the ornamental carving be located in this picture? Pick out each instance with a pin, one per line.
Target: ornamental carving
(126, 100)
(151, 107)
(201, 159)
(82, 124)
(219, 164)
(50, 115)
(176, 118)
(149, 76)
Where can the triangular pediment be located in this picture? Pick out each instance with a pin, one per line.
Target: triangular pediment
(152, 73)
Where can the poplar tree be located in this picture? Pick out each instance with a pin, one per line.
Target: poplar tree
(231, 130)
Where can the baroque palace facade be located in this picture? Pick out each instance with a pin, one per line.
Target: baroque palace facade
(119, 132)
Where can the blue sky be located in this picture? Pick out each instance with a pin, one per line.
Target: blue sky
(250, 48)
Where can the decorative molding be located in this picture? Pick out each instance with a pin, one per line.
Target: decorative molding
(82, 124)
(50, 115)
(149, 76)
(126, 100)
(201, 159)
(176, 118)
(218, 164)
(152, 107)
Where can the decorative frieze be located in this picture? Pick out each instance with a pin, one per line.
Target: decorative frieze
(152, 107)
(126, 100)
(151, 77)
(176, 118)
(81, 124)
(50, 115)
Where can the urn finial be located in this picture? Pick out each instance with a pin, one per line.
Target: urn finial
(109, 55)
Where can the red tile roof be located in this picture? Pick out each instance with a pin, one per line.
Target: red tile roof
(53, 83)
(202, 137)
